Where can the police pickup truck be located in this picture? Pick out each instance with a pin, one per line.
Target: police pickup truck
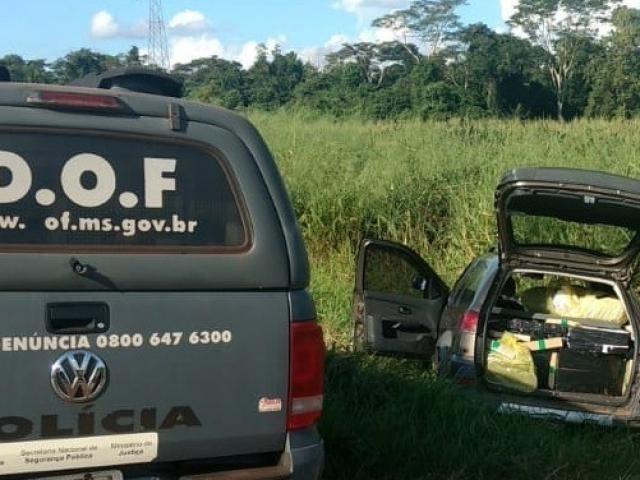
(156, 319)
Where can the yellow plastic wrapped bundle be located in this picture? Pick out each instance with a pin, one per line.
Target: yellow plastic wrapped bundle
(510, 365)
(577, 302)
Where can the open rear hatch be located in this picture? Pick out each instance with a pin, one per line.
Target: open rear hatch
(560, 324)
(577, 219)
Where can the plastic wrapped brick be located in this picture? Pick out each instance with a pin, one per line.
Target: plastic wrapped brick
(510, 364)
(575, 302)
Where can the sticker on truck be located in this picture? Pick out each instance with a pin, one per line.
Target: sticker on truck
(36, 343)
(77, 453)
(87, 423)
(77, 190)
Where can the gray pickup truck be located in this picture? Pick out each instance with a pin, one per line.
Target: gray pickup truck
(157, 322)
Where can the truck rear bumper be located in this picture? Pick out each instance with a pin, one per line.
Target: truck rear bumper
(303, 459)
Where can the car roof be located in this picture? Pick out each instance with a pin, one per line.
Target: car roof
(599, 180)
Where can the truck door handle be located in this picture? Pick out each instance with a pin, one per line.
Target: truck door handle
(405, 310)
(77, 318)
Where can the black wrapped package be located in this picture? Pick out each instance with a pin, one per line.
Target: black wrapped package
(599, 341)
(526, 327)
(585, 373)
(542, 361)
(535, 329)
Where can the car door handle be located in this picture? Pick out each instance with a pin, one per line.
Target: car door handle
(405, 310)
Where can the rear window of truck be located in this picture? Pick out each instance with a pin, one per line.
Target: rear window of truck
(102, 192)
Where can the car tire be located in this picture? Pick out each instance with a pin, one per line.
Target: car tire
(441, 363)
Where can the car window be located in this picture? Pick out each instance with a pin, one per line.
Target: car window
(532, 230)
(390, 271)
(115, 192)
(469, 283)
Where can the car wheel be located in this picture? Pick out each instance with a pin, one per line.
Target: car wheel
(442, 361)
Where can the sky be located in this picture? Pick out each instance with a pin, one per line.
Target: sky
(199, 28)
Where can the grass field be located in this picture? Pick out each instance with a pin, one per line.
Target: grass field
(430, 185)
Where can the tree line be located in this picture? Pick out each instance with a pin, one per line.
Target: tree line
(561, 58)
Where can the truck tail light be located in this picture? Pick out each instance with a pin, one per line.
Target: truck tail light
(469, 321)
(306, 372)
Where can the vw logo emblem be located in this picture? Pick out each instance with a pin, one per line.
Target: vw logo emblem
(78, 376)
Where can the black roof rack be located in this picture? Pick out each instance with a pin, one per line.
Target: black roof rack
(137, 79)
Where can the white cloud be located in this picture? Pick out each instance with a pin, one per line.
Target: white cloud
(189, 35)
(336, 41)
(507, 8)
(358, 6)
(366, 10)
(379, 35)
(315, 55)
(248, 53)
(277, 41)
(189, 21)
(104, 25)
(185, 48)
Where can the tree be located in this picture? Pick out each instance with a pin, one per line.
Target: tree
(375, 61)
(132, 57)
(273, 81)
(616, 73)
(29, 71)
(559, 26)
(214, 80)
(499, 73)
(287, 71)
(429, 23)
(578, 88)
(80, 63)
(476, 72)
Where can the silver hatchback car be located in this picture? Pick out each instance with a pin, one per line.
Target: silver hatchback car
(547, 324)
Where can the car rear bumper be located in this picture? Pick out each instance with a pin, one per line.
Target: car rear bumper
(463, 370)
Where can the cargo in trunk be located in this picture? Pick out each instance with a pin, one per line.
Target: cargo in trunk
(585, 373)
(569, 352)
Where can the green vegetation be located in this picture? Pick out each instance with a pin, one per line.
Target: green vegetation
(430, 185)
(571, 59)
(442, 69)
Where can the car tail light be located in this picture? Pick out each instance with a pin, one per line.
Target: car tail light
(306, 382)
(72, 100)
(469, 321)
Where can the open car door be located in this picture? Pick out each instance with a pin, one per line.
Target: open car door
(398, 300)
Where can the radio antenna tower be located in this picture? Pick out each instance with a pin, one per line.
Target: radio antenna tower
(158, 51)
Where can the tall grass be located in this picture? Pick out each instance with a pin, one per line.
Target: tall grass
(430, 185)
